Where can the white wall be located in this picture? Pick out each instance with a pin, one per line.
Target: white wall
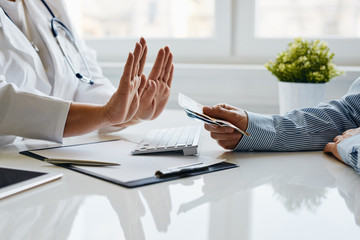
(250, 87)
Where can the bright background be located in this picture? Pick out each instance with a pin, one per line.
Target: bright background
(221, 46)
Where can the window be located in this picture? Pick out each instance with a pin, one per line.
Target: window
(266, 27)
(209, 31)
(307, 18)
(193, 26)
(152, 18)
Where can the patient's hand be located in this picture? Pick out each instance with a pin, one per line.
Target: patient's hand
(331, 147)
(226, 137)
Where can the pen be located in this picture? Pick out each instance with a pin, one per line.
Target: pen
(79, 162)
(177, 171)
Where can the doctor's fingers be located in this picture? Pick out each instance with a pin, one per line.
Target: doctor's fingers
(143, 85)
(142, 57)
(156, 69)
(149, 92)
(137, 55)
(163, 69)
(169, 81)
(169, 69)
(126, 76)
(142, 61)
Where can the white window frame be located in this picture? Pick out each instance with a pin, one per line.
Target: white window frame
(234, 42)
(249, 49)
(117, 49)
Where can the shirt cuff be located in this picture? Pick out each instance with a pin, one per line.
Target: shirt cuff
(262, 133)
(349, 151)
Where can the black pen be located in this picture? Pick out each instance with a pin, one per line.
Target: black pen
(178, 171)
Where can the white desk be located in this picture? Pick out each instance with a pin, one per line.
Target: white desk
(306, 195)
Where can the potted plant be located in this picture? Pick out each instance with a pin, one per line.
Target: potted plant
(302, 71)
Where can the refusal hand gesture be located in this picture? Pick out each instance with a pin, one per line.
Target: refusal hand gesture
(124, 103)
(154, 92)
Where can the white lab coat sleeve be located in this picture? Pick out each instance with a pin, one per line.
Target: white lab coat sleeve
(31, 115)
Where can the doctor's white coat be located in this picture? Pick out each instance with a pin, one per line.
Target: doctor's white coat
(36, 88)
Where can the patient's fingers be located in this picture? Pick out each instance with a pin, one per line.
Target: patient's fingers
(230, 145)
(338, 138)
(226, 136)
(218, 129)
(331, 147)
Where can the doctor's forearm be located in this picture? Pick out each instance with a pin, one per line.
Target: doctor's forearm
(84, 118)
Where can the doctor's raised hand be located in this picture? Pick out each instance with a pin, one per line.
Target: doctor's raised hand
(124, 103)
(154, 91)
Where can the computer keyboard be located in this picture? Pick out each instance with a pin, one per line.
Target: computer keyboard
(183, 139)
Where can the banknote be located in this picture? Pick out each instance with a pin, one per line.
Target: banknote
(195, 110)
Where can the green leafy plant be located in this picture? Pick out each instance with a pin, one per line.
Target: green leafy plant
(305, 62)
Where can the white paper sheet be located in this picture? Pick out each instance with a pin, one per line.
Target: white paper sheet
(132, 167)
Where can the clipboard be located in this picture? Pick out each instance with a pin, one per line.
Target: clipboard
(134, 170)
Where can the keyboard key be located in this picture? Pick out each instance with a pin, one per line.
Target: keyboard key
(165, 140)
(174, 139)
(191, 137)
(155, 141)
(183, 139)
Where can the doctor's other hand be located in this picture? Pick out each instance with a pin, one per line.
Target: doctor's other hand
(331, 147)
(226, 137)
(155, 90)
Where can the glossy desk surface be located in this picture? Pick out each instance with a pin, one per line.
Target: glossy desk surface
(300, 195)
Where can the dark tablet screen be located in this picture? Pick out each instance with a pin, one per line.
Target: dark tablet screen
(9, 176)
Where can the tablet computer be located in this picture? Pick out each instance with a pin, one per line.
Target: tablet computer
(13, 180)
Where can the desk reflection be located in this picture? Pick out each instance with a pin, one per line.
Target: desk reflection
(93, 209)
(94, 212)
(297, 182)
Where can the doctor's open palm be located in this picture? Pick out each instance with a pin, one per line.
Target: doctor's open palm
(152, 93)
(155, 91)
(125, 102)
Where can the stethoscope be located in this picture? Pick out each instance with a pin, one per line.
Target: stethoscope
(57, 25)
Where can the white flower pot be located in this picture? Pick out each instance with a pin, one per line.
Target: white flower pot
(299, 95)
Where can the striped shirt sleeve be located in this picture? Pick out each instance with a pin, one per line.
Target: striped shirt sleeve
(303, 129)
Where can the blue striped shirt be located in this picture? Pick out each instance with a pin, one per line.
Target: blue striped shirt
(306, 128)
